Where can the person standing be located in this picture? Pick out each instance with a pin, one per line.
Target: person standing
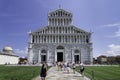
(65, 66)
(81, 68)
(73, 66)
(59, 66)
(43, 72)
(68, 67)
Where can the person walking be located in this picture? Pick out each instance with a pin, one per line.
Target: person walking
(81, 68)
(43, 71)
(73, 66)
(68, 67)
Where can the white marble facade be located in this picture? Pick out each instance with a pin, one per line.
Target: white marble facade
(60, 41)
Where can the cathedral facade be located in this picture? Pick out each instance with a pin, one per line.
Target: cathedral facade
(60, 41)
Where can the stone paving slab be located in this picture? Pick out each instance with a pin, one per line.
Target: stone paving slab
(54, 74)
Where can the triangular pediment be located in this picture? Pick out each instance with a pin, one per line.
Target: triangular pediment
(58, 12)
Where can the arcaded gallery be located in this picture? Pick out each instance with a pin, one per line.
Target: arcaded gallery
(60, 40)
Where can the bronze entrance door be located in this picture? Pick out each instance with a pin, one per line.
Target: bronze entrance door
(59, 56)
(76, 57)
(43, 58)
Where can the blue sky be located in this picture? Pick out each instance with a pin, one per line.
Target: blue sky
(102, 17)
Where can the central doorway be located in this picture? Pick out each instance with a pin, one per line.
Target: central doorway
(59, 56)
(76, 57)
(43, 58)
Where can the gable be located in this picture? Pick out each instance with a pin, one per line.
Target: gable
(60, 12)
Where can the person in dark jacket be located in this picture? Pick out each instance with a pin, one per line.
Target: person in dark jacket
(43, 72)
(82, 68)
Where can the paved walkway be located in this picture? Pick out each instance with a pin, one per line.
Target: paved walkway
(54, 74)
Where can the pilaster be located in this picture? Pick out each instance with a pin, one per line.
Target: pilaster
(39, 57)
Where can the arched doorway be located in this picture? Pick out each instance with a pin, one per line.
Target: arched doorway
(43, 55)
(59, 55)
(77, 56)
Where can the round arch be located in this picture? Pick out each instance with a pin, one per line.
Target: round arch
(60, 47)
(60, 53)
(77, 56)
(43, 55)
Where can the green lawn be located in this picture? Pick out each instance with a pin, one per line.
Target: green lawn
(102, 72)
(19, 72)
(29, 72)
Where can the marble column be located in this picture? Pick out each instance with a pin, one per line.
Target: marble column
(49, 39)
(39, 57)
(70, 39)
(79, 38)
(47, 57)
(73, 56)
(62, 38)
(37, 39)
(55, 38)
(85, 38)
(30, 38)
(55, 55)
(57, 22)
(52, 38)
(30, 54)
(53, 21)
(46, 38)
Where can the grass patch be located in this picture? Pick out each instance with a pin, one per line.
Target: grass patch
(19, 72)
(102, 72)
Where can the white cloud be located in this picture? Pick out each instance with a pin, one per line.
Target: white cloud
(111, 25)
(116, 33)
(113, 50)
(21, 53)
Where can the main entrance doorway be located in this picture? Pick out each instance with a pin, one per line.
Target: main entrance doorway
(43, 58)
(76, 57)
(59, 56)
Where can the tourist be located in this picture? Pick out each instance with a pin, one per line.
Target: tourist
(56, 65)
(68, 67)
(61, 65)
(81, 68)
(73, 66)
(65, 66)
(43, 72)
